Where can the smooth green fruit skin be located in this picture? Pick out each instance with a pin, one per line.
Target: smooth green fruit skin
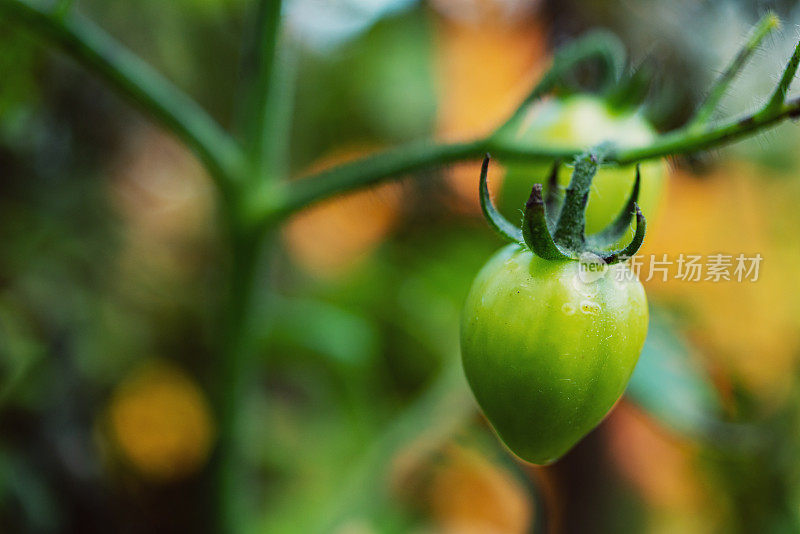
(547, 355)
(585, 121)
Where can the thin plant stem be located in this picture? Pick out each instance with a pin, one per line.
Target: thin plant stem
(401, 161)
(263, 87)
(779, 96)
(683, 141)
(598, 44)
(101, 54)
(249, 257)
(767, 23)
(376, 168)
(268, 95)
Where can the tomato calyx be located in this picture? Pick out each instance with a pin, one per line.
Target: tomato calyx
(554, 229)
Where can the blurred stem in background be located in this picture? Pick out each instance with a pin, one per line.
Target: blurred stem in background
(249, 251)
(255, 195)
(249, 263)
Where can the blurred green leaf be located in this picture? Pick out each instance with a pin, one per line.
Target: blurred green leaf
(23, 490)
(669, 384)
(378, 89)
(426, 423)
(325, 329)
(18, 89)
(20, 351)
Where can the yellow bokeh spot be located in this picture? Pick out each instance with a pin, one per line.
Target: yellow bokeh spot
(160, 422)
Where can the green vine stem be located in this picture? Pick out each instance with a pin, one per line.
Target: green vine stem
(249, 257)
(385, 165)
(137, 81)
(703, 114)
(267, 84)
(779, 96)
(619, 227)
(696, 136)
(598, 44)
(265, 80)
(397, 162)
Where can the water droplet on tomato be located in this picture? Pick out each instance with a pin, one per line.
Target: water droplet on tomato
(590, 289)
(590, 308)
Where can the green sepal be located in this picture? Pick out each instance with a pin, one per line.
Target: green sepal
(535, 231)
(496, 220)
(565, 239)
(633, 247)
(612, 233)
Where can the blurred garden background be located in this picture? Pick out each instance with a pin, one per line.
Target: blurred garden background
(360, 420)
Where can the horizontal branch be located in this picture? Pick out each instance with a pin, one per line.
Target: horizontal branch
(767, 23)
(686, 142)
(401, 161)
(131, 76)
(376, 168)
(397, 162)
(683, 141)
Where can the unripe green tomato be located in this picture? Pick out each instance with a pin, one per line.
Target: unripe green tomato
(546, 351)
(585, 121)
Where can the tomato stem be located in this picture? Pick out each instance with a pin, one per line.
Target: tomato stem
(552, 202)
(268, 75)
(569, 232)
